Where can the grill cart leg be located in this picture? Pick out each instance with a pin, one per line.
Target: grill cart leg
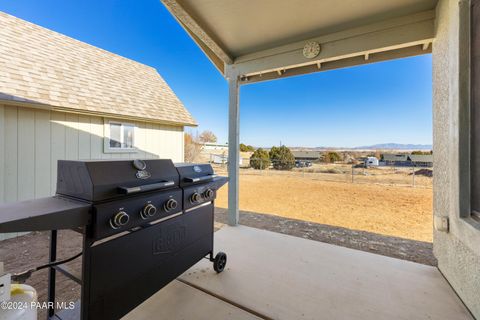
(51, 273)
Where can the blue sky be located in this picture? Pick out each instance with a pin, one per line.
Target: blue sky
(376, 103)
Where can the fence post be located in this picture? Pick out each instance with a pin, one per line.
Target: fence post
(413, 175)
(352, 172)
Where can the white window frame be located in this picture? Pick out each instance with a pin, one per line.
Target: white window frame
(106, 139)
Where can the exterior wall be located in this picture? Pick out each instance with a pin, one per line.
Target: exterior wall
(458, 250)
(32, 140)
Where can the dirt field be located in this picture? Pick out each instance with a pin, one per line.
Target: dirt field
(403, 212)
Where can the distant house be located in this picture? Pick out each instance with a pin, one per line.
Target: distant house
(421, 160)
(398, 160)
(210, 146)
(303, 155)
(222, 159)
(218, 158)
(404, 160)
(64, 99)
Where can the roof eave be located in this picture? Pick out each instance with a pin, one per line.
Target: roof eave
(47, 107)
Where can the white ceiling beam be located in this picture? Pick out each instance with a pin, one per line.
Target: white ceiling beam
(197, 32)
(389, 35)
(338, 64)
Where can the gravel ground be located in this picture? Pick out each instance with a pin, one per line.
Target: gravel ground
(22, 253)
(31, 250)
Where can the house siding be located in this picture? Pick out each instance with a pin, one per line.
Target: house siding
(32, 140)
(458, 250)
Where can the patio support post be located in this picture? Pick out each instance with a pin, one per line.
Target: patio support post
(233, 148)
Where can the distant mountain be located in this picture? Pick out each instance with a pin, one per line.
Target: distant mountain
(396, 146)
(381, 146)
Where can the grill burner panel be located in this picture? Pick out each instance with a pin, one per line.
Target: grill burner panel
(136, 210)
(144, 222)
(198, 194)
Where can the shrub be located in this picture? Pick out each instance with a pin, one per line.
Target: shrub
(422, 152)
(260, 159)
(192, 147)
(332, 156)
(282, 158)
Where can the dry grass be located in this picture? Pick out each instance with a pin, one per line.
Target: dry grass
(404, 212)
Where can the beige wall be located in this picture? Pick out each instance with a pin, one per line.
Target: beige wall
(457, 251)
(32, 140)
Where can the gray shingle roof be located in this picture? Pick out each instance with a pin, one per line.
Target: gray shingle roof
(421, 157)
(307, 154)
(40, 66)
(394, 157)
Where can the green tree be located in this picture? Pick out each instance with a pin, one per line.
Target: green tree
(282, 158)
(260, 159)
(246, 148)
(332, 156)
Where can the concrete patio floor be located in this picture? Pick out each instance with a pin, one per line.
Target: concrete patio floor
(275, 276)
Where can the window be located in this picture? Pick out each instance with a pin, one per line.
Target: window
(119, 137)
(475, 108)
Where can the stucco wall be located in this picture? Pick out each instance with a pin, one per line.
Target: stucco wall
(457, 251)
(32, 140)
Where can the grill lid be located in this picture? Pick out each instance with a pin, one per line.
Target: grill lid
(104, 180)
(194, 173)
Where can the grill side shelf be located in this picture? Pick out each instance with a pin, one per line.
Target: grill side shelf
(52, 213)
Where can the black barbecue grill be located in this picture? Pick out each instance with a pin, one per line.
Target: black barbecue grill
(144, 223)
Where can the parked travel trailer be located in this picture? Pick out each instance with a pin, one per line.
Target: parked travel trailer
(371, 162)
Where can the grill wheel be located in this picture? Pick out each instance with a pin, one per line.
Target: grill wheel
(220, 262)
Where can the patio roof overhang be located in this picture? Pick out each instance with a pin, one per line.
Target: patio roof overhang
(250, 41)
(263, 40)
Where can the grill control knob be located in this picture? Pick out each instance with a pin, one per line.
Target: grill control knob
(208, 193)
(148, 211)
(195, 197)
(171, 204)
(119, 220)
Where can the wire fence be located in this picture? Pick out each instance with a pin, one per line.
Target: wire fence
(411, 176)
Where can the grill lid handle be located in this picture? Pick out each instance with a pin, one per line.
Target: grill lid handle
(146, 187)
(199, 179)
